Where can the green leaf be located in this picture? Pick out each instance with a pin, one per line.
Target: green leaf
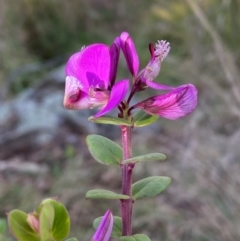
(71, 239)
(46, 219)
(117, 226)
(136, 237)
(148, 157)
(110, 120)
(17, 221)
(61, 222)
(138, 115)
(104, 194)
(126, 238)
(44, 201)
(141, 237)
(104, 150)
(150, 187)
(141, 119)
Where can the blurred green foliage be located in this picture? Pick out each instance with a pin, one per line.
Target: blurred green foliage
(3, 225)
(4, 230)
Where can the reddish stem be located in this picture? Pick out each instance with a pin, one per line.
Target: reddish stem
(126, 205)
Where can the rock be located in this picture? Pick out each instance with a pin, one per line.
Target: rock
(36, 120)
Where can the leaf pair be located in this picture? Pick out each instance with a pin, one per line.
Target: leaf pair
(108, 152)
(50, 222)
(145, 188)
(140, 119)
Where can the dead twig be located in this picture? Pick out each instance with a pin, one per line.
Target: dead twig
(225, 58)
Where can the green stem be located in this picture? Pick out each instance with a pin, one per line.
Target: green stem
(126, 205)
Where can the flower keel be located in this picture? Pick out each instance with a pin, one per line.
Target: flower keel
(104, 230)
(173, 105)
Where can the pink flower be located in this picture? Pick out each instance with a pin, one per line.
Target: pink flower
(91, 75)
(90, 80)
(178, 102)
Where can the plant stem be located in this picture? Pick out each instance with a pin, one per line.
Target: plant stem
(126, 205)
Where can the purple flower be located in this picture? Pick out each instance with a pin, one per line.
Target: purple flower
(91, 75)
(104, 229)
(90, 80)
(179, 102)
(158, 54)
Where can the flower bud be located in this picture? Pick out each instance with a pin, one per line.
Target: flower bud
(33, 222)
(130, 53)
(158, 53)
(104, 230)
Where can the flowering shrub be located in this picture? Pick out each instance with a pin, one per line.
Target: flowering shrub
(91, 82)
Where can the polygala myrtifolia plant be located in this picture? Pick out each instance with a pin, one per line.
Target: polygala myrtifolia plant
(90, 82)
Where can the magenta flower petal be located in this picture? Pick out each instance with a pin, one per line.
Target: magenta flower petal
(130, 53)
(91, 66)
(75, 98)
(104, 230)
(173, 105)
(117, 95)
(114, 55)
(158, 86)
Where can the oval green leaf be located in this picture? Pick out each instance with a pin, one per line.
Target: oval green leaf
(40, 205)
(46, 219)
(135, 237)
(43, 202)
(150, 187)
(141, 237)
(148, 157)
(110, 121)
(141, 119)
(126, 238)
(17, 221)
(104, 194)
(104, 150)
(61, 224)
(117, 226)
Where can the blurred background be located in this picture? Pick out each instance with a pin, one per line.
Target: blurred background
(42, 145)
